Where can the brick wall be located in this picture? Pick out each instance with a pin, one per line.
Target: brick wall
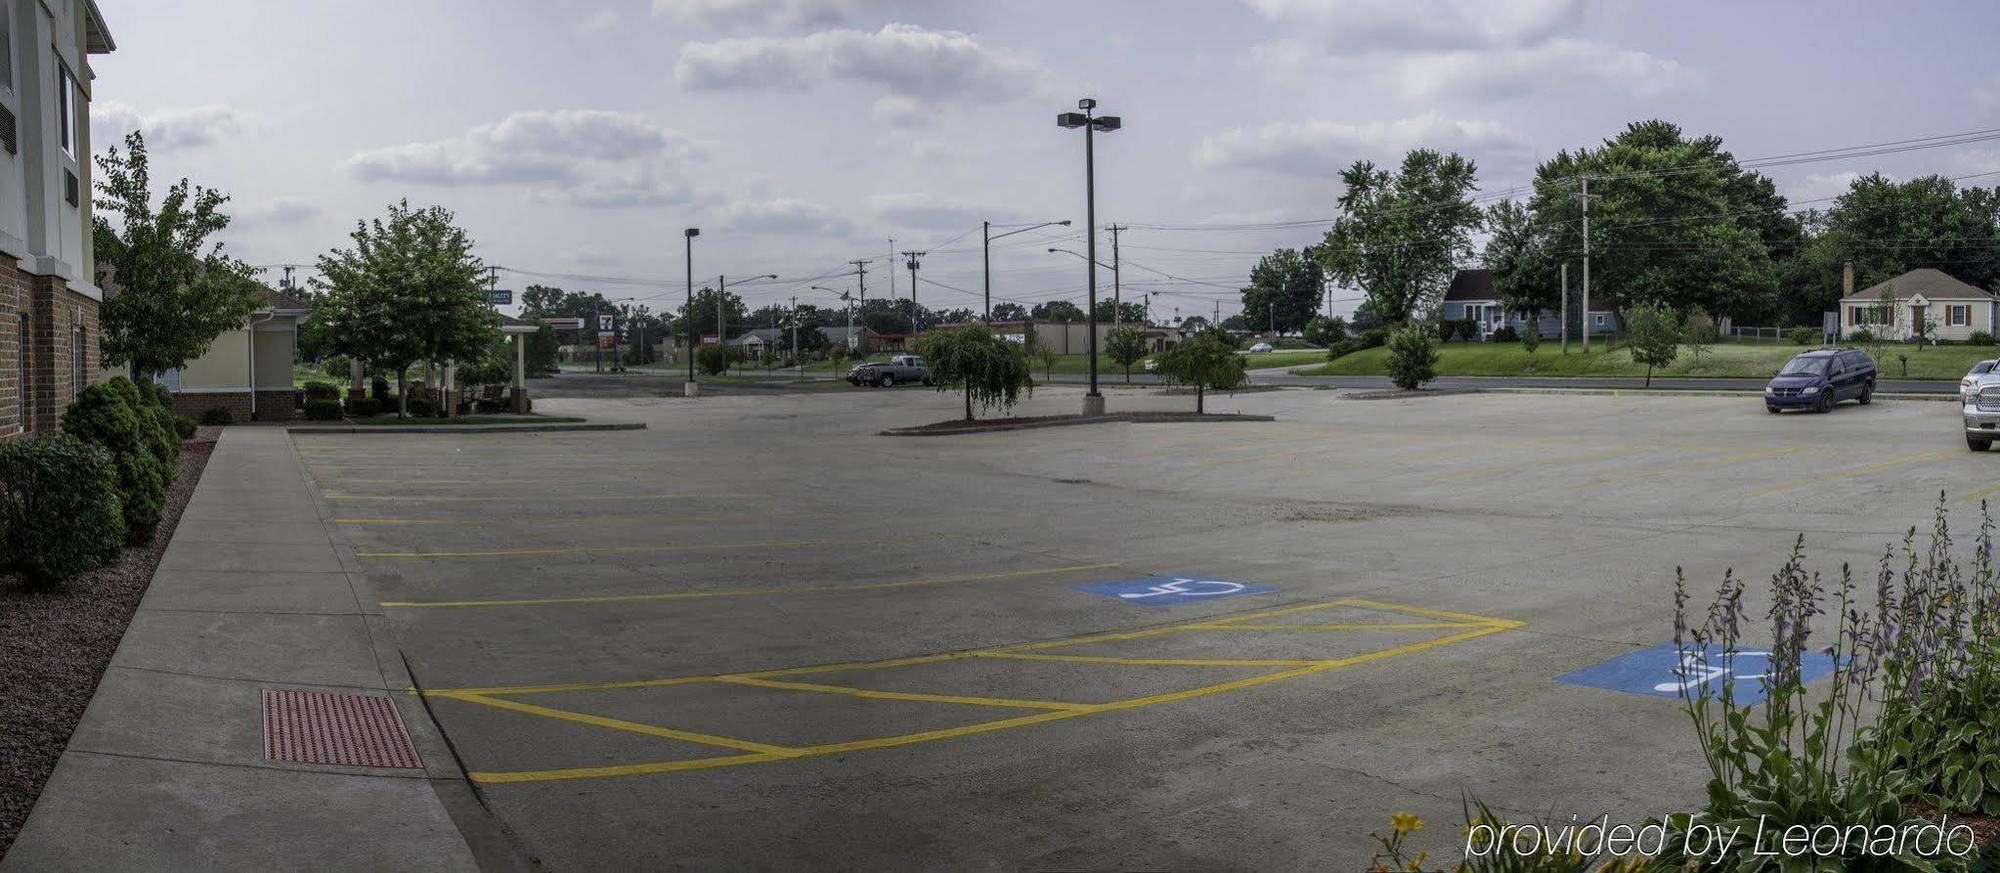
(55, 314)
(271, 405)
(13, 297)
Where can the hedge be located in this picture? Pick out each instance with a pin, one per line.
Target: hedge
(59, 510)
(363, 407)
(105, 415)
(323, 409)
(322, 391)
(217, 415)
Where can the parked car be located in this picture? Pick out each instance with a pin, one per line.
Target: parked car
(901, 368)
(1260, 348)
(1818, 379)
(1972, 377)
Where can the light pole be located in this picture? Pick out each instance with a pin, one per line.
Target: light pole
(986, 239)
(1093, 402)
(915, 324)
(848, 299)
(691, 388)
(721, 294)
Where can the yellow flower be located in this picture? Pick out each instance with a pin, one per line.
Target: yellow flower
(1404, 822)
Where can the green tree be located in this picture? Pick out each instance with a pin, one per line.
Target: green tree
(1207, 360)
(1525, 272)
(1009, 312)
(1674, 219)
(174, 292)
(543, 347)
(1531, 337)
(1700, 332)
(1653, 334)
(1284, 291)
(1400, 237)
(1127, 346)
(702, 314)
(1413, 355)
(1058, 310)
(1887, 228)
(972, 358)
(408, 292)
(1324, 331)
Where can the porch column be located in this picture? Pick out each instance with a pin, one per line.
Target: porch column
(354, 386)
(520, 389)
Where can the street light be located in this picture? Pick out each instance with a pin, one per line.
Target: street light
(690, 389)
(849, 300)
(721, 294)
(1076, 253)
(1093, 402)
(986, 247)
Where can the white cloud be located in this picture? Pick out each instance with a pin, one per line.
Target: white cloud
(1563, 64)
(587, 255)
(598, 22)
(903, 59)
(927, 211)
(763, 13)
(277, 211)
(1323, 147)
(1818, 186)
(167, 128)
(898, 111)
(783, 215)
(1363, 26)
(586, 157)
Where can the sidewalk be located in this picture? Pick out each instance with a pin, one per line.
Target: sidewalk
(168, 769)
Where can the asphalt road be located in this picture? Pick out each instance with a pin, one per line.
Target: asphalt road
(1279, 376)
(758, 636)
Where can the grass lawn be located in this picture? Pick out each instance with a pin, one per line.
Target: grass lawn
(1754, 361)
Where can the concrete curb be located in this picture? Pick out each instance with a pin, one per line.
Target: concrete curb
(1136, 417)
(1399, 394)
(468, 428)
(1662, 392)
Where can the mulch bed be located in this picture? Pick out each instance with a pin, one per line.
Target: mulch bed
(55, 644)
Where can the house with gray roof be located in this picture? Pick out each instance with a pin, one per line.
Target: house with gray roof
(1949, 308)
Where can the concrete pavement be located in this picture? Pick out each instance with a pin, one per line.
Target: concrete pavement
(168, 769)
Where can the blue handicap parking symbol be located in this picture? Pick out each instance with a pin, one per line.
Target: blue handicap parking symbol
(1169, 590)
(1663, 670)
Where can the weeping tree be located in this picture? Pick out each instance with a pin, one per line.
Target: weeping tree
(989, 369)
(1207, 360)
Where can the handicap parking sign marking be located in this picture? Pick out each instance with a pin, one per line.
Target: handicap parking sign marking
(1665, 670)
(1171, 590)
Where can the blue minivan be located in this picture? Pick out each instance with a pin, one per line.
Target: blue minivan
(1818, 379)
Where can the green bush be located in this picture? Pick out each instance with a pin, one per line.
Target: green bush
(422, 407)
(1863, 335)
(322, 391)
(217, 415)
(362, 407)
(713, 360)
(162, 398)
(323, 409)
(1980, 338)
(1413, 356)
(1506, 334)
(1371, 338)
(1446, 330)
(103, 414)
(336, 367)
(1804, 336)
(1468, 329)
(183, 427)
(59, 511)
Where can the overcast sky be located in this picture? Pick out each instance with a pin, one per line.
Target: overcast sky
(579, 137)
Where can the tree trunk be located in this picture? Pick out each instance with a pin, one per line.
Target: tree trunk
(968, 401)
(1649, 375)
(403, 391)
(1197, 399)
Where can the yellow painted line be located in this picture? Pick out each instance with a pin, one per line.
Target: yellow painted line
(544, 498)
(790, 753)
(582, 519)
(1502, 623)
(683, 680)
(1155, 662)
(1402, 625)
(906, 695)
(1978, 494)
(680, 547)
(1691, 465)
(756, 592)
(1865, 468)
(622, 725)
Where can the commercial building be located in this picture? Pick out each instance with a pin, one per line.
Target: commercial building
(48, 296)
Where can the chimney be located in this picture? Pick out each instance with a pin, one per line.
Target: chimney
(1846, 279)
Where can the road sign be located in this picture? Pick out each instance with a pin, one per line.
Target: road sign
(607, 341)
(564, 323)
(1663, 670)
(1170, 590)
(603, 323)
(500, 297)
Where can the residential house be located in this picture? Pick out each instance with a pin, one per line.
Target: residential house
(1950, 308)
(247, 370)
(49, 299)
(1473, 296)
(1073, 337)
(754, 342)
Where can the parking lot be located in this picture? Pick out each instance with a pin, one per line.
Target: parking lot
(757, 634)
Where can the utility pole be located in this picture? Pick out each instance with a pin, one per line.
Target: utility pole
(797, 356)
(861, 276)
(1565, 307)
(892, 271)
(721, 338)
(288, 277)
(1585, 197)
(1117, 313)
(915, 325)
(986, 263)
(687, 312)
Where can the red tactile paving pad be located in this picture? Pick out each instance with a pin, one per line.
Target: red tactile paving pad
(352, 730)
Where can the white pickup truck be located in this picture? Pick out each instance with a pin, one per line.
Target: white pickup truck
(901, 368)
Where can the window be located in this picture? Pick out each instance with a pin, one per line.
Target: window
(1598, 319)
(66, 109)
(1958, 315)
(6, 46)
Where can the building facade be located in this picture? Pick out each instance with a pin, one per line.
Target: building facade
(1925, 301)
(247, 371)
(48, 294)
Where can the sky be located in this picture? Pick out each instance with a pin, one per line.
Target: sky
(575, 139)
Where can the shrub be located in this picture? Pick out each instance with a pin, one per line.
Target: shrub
(1506, 334)
(1531, 339)
(59, 510)
(336, 367)
(362, 407)
(1980, 338)
(421, 407)
(1324, 331)
(1413, 356)
(322, 391)
(183, 427)
(1468, 329)
(162, 398)
(1371, 338)
(713, 360)
(1805, 336)
(323, 409)
(215, 416)
(1863, 335)
(1446, 330)
(380, 388)
(102, 414)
